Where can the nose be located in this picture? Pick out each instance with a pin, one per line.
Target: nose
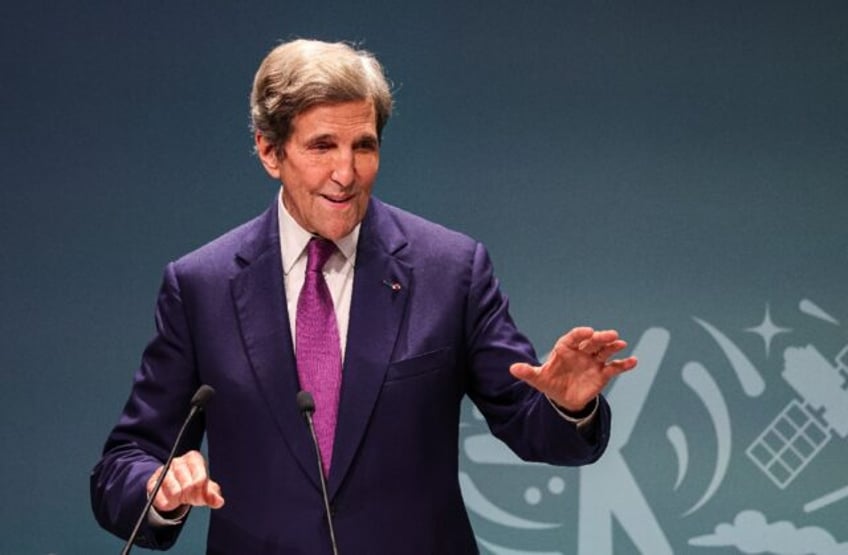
(344, 168)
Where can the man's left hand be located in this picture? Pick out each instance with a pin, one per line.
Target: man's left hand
(578, 368)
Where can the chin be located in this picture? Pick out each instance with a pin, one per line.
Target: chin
(336, 228)
(335, 232)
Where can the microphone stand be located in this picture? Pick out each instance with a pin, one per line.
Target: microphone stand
(306, 405)
(201, 397)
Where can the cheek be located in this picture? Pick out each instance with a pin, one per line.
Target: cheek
(313, 177)
(371, 168)
(303, 175)
(367, 165)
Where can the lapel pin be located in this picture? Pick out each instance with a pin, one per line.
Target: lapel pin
(393, 285)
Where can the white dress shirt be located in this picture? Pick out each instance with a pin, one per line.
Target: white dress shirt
(338, 271)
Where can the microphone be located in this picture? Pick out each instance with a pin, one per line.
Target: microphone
(202, 396)
(306, 406)
(198, 402)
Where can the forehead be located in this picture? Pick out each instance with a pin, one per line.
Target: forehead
(355, 117)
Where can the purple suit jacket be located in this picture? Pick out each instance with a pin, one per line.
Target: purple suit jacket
(412, 355)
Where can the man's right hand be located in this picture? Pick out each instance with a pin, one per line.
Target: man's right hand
(187, 483)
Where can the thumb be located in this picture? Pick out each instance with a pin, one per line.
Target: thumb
(525, 372)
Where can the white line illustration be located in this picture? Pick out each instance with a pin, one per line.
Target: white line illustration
(701, 382)
(825, 500)
(750, 378)
(499, 550)
(767, 329)
(608, 489)
(678, 442)
(751, 533)
(480, 505)
(802, 429)
(810, 308)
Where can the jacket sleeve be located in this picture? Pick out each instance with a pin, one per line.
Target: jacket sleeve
(516, 413)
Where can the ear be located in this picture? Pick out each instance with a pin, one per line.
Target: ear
(267, 153)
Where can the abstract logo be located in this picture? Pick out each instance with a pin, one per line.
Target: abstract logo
(609, 507)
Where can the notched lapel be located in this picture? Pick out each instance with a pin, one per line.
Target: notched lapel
(381, 288)
(259, 298)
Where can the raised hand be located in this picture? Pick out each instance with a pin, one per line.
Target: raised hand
(578, 368)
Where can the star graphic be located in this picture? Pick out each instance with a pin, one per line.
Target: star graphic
(768, 329)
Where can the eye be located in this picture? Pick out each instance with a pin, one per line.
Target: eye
(321, 146)
(369, 144)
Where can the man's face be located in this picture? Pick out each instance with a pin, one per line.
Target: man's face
(327, 166)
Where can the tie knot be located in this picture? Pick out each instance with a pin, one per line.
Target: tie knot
(318, 251)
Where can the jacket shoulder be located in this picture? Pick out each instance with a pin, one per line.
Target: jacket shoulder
(224, 253)
(426, 237)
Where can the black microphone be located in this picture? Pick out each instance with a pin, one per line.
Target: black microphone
(198, 402)
(306, 406)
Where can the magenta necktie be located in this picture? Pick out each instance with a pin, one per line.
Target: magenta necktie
(319, 359)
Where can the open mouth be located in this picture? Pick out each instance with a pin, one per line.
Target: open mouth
(338, 200)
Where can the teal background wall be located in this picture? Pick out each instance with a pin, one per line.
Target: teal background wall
(678, 170)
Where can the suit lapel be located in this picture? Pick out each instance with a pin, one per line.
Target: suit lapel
(380, 291)
(260, 303)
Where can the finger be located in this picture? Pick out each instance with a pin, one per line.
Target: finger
(195, 463)
(199, 474)
(192, 482)
(194, 478)
(618, 366)
(168, 496)
(606, 335)
(573, 338)
(610, 349)
(598, 341)
(171, 486)
(182, 473)
(184, 483)
(525, 372)
(151, 482)
(161, 500)
(212, 494)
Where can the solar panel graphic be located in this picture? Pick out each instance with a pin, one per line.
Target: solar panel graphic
(803, 428)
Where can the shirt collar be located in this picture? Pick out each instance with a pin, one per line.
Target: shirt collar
(293, 238)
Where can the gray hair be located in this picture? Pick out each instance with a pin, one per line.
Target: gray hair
(300, 74)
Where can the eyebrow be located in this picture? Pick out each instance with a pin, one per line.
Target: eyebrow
(366, 137)
(322, 137)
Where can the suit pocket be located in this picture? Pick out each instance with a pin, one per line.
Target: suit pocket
(420, 365)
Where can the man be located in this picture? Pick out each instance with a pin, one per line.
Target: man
(410, 320)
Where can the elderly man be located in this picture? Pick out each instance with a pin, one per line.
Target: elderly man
(388, 319)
